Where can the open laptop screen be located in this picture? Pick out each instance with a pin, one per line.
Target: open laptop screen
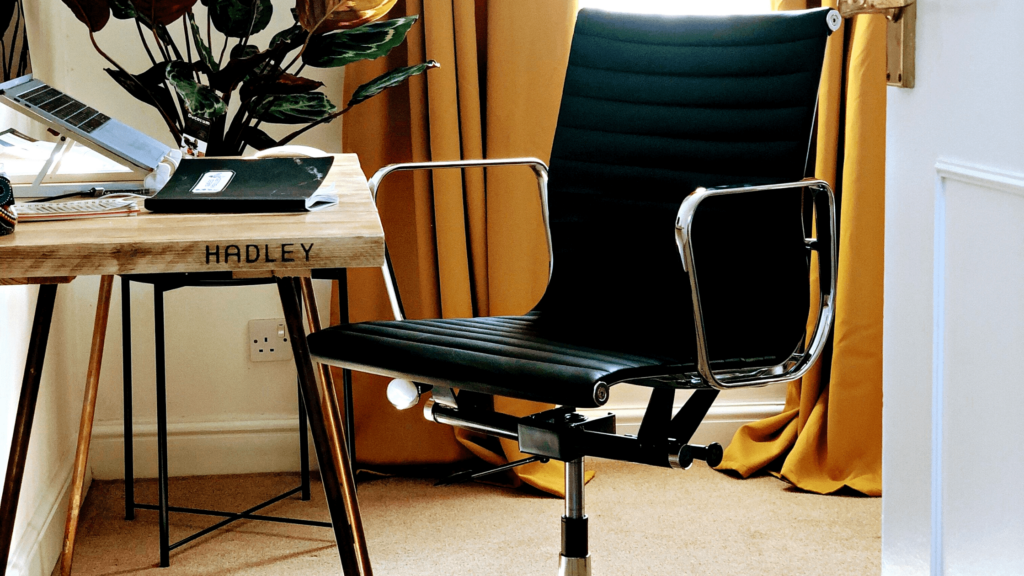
(83, 123)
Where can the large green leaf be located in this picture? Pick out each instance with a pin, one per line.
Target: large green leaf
(163, 11)
(389, 80)
(122, 9)
(204, 51)
(240, 18)
(201, 100)
(92, 13)
(366, 42)
(244, 62)
(148, 87)
(289, 38)
(292, 108)
(277, 84)
(321, 16)
(257, 138)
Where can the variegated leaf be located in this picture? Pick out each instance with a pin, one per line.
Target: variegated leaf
(292, 108)
(389, 80)
(204, 51)
(366, 42)
(201, 100)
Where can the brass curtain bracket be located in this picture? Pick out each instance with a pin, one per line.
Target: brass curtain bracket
(900, 35)
(891, 8)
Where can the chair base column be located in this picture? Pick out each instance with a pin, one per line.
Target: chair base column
(575, 557)
(573, 566)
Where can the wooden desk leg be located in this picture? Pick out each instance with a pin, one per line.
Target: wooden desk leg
(92, 383)
(315, 410)
(23, 419)
(336, 435)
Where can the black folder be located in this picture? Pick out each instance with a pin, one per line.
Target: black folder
(245, 185)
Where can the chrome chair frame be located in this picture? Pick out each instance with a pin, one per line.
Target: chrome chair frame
(799, 362)
(792, 369)
(540, 169)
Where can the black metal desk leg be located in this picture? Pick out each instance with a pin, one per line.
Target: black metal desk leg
(350, 414)
(23, 419)
(126, 381)
(289, 290)
(346, 374)
(303, 449)
(161, 425)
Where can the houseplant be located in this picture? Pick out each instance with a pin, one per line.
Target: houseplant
(14, 46)
(193, 86)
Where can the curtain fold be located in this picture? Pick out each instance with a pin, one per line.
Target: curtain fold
(463, 244)
(829, 435)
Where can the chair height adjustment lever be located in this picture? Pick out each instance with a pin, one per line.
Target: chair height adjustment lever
(681, 456)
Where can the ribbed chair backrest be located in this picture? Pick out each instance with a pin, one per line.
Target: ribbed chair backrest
(654, 107)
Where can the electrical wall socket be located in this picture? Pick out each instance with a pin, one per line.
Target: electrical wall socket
(268, 340)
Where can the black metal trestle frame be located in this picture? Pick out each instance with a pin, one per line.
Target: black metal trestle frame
(163, 506)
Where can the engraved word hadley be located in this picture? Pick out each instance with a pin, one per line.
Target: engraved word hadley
(252, 253)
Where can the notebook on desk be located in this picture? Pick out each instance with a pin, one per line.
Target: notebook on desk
(236, 185)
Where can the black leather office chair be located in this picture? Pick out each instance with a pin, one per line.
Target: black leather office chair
(678, 157)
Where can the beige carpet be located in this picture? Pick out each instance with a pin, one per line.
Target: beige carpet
(643, 520)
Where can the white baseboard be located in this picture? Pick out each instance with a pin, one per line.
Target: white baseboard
(201, 448)
(271, 445)
(719, 425)
(37, 549)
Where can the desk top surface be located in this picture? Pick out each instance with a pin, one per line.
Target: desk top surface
(348, 235)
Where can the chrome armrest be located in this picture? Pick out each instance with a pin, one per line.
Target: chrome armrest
(539, 169)
(825, 244)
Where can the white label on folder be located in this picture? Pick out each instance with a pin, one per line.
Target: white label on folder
(213, 181)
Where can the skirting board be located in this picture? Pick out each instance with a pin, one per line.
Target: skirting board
(201, 448)
(37, 548)
(246, 447)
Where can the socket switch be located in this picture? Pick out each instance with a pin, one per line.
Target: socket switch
(268, 340)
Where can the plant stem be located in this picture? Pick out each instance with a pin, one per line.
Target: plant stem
(252, 23)
(23, 59)
(188, 41)
(144, 43)
(306, 43)
(209, 39)
(305, 129)
(8, 63)
(160, 45)
(172, 45)
(170, 124)
(222, 50)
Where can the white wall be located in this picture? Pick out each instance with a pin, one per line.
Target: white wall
(43, 501)
(954, 251)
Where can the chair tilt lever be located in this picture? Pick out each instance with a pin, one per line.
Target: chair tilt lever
(467, 475)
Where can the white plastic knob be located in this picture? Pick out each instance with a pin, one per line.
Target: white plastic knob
(834, 19)
(403, 394)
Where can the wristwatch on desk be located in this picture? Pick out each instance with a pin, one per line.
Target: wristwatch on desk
(8, 217)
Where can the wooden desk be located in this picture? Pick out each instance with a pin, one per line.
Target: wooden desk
(284, 246)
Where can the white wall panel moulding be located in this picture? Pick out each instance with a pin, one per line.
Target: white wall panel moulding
(983, 176)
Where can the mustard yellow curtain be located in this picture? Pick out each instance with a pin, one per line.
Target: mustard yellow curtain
(830, 433)
(463, 245)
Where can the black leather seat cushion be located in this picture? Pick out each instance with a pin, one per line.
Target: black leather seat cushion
(652, 108)
(505, 355)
